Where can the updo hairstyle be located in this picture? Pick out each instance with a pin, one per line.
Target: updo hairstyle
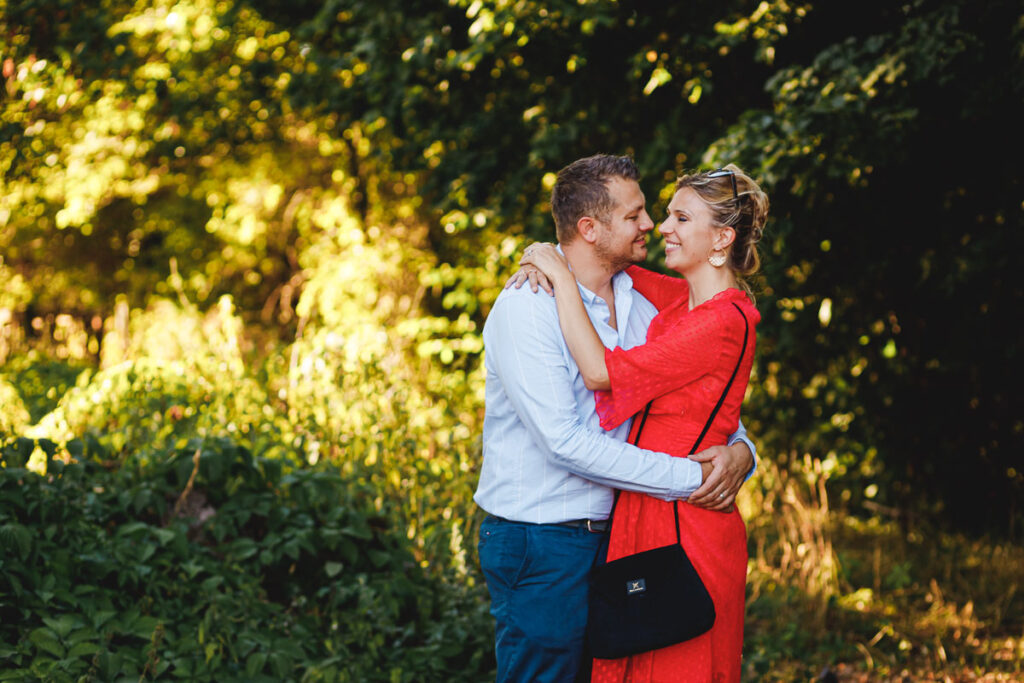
(745, 213)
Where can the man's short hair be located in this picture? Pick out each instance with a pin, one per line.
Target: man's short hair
(581, 189)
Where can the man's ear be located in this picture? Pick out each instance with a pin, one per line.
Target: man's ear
(726, 236)
(587, 229)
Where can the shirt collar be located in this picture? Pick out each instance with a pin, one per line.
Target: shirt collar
(622, 283)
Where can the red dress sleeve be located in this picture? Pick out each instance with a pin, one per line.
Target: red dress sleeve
(660, 290)
(676, 356)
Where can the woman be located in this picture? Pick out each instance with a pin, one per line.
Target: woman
(714, 222)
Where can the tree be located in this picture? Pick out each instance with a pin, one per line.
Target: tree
(195, 148)
(868, 123)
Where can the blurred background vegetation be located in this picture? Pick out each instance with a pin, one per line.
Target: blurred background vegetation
(247, 248)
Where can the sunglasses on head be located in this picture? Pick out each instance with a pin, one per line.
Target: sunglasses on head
(720, 173)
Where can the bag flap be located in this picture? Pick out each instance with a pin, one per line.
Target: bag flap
(617, 580)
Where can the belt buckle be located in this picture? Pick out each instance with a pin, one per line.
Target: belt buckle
(589, 528)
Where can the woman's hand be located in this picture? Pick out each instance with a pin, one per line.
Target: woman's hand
(532, 275)
(547, 259)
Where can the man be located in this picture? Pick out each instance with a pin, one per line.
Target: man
(548, 469)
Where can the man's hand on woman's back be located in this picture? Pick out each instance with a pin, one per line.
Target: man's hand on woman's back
(729, 468)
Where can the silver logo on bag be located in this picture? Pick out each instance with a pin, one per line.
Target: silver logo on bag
(635, 586)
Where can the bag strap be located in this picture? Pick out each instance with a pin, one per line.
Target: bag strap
(703, 433)
(606, 536)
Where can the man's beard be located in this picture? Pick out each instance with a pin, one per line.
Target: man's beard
(616, 258)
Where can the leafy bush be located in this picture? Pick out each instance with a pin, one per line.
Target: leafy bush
(155, 404)
(40, 381)
(13, 415)
(208, 563)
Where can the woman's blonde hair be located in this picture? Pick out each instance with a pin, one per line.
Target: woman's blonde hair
(736, 201)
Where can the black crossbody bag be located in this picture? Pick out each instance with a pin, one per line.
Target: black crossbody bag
(655, 598)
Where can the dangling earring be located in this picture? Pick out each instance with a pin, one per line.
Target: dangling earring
(717, 258)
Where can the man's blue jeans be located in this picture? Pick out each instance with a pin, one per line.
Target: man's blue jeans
(537, 575)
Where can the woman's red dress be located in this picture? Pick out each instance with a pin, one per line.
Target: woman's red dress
(683, 367)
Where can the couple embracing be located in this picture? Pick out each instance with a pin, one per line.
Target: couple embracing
(565, 376)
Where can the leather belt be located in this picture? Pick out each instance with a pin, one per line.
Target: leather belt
(595, 526)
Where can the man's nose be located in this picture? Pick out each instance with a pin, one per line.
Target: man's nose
(646, 223)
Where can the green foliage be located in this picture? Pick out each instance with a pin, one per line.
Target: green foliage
(40, 382)
(266, 150)
(874, 336)
(283, 223)
(162, 148)
(484, 99)
(211, 564)
(13, 415)
(154, 404)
